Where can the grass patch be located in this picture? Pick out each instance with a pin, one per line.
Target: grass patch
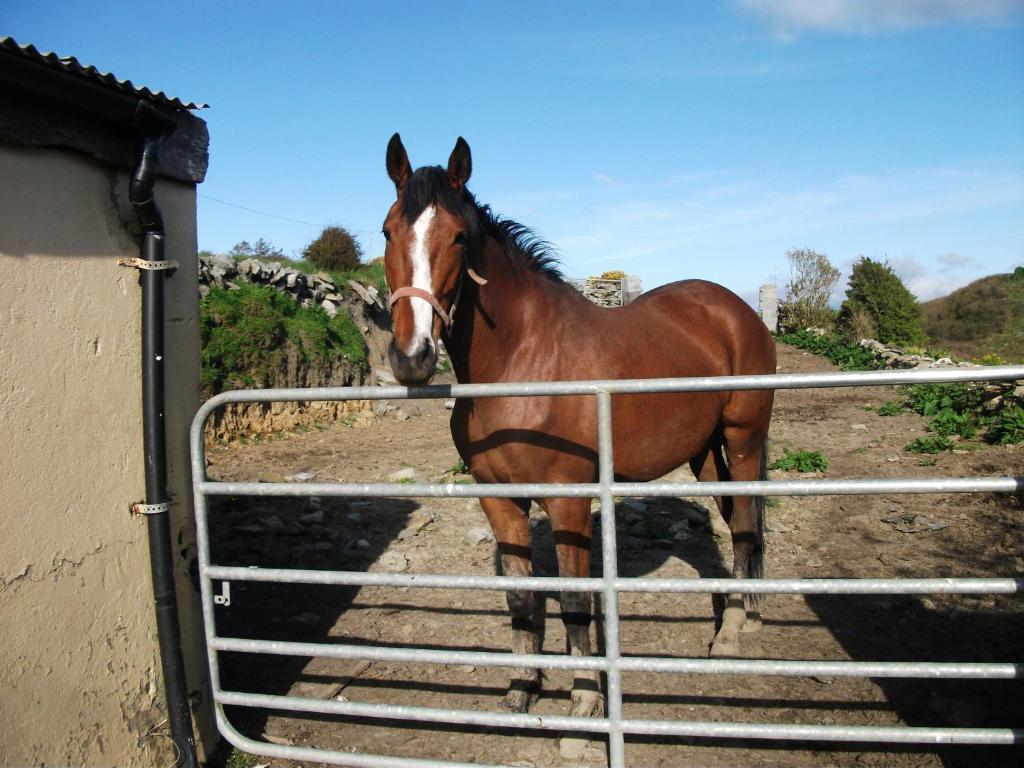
(245, 333)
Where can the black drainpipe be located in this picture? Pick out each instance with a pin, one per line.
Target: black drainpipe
(154, 127)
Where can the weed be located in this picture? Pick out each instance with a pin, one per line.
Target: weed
(458, 468)
(236, 758)
(1007, 426)
(891, 408)
(935, 444)
(801, 461)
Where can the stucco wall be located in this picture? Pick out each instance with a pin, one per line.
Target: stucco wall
(80, 680)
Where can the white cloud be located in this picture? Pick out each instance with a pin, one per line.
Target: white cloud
(736, 229)
(789, 17)
(954, 261)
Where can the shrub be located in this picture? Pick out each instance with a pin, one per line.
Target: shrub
(334, 249)
(875, 291)
(801, 461)
(811, 282)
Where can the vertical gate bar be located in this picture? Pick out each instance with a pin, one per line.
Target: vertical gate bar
(203, 552)
(609, 553)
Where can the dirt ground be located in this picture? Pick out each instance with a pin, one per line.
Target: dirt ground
(904, 536)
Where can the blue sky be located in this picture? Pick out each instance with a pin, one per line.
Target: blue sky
(670, 140)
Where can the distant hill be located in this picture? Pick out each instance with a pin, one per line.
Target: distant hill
(982, 318)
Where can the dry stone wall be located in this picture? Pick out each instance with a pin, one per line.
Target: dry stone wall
(895, 357)
(609, 292)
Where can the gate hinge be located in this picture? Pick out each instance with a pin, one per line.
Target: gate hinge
(138, 263)
(139, 508)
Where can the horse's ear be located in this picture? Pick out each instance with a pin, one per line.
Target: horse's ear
(460, 164)
(398, 162)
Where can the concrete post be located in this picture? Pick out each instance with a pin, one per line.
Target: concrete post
(768, 302)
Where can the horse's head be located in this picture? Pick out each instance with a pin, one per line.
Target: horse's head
(430, 229)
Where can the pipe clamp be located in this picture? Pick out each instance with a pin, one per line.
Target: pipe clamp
(147, 264)
(150, 509)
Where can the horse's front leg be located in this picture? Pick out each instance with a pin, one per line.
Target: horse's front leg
(571, 527)
(509, 519)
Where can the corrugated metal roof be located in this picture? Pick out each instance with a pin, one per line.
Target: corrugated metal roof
(73, 66)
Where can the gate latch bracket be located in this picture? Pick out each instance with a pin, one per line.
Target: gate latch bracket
(224, 598)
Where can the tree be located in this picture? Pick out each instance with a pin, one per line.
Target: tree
(876, 295)
(335, 249)
(261, 249)
(812, 278)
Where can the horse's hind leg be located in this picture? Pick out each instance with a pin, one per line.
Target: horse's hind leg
(509, 519)
(745, 517)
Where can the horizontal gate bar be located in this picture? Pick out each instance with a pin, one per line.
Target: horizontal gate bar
(333, 756)
(419, 714)
(593, 490)
(905, 735)
(965, 586)
(766, 667)
(848, 733)
(623, 386)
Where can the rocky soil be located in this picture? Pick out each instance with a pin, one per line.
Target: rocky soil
(892, 536)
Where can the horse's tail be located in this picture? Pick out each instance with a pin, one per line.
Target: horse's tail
(760, 524)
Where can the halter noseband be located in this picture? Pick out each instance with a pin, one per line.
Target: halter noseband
(448, 318)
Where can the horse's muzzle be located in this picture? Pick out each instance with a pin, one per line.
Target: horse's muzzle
(415, 369)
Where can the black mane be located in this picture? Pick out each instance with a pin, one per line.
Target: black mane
(429, 185)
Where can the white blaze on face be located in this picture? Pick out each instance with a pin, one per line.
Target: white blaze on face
(422, 312)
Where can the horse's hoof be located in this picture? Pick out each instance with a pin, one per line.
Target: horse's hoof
(724, 648)
(520, 700)
(587, 704)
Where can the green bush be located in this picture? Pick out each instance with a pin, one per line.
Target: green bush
(877, 295)
(801, 461)
(245, 333)
(334, 249)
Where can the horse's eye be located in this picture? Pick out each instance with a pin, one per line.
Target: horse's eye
(460, 239)
(387, 235)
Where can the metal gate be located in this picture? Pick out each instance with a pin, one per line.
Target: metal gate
(612, 663)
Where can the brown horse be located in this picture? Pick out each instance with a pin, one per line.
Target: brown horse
(493, 291)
